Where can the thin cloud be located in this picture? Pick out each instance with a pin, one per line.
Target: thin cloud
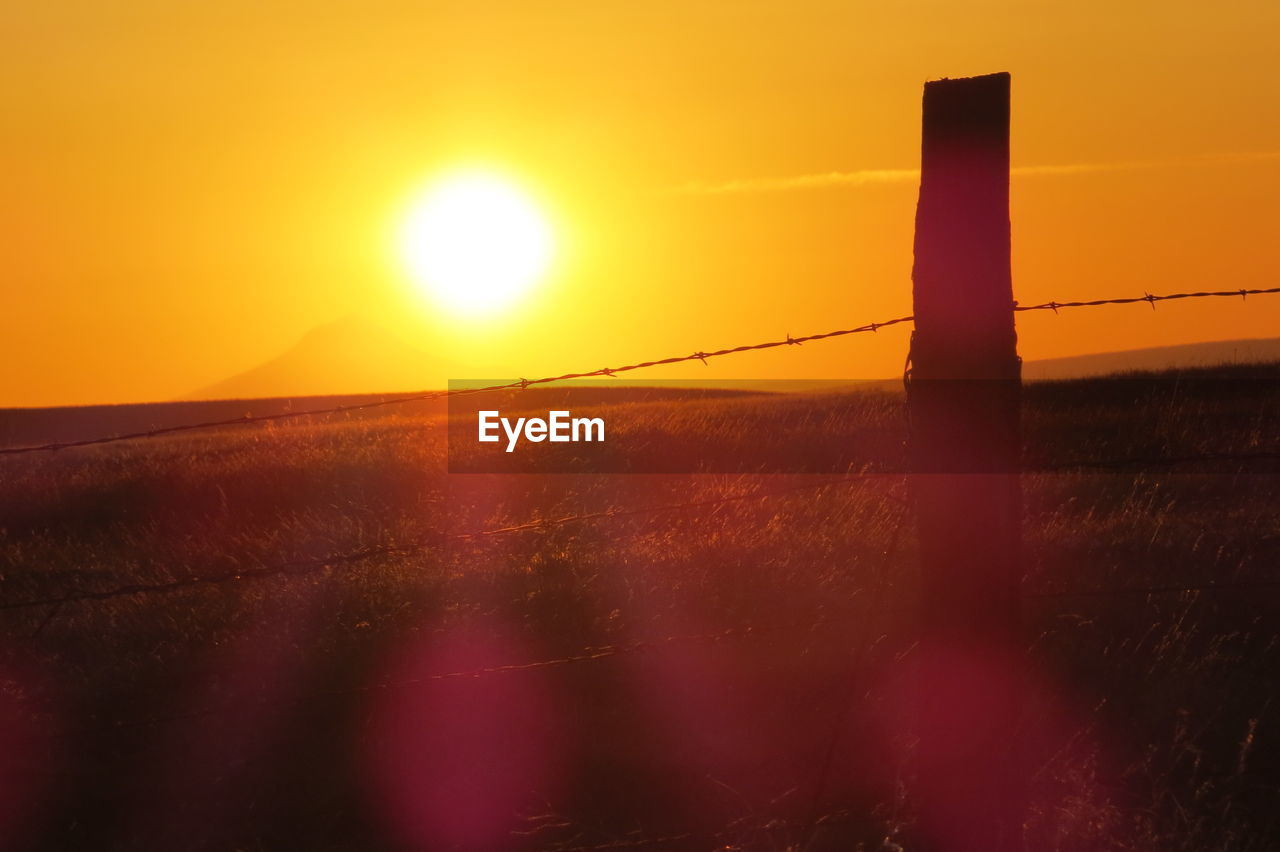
(864, 177)
(818, 181)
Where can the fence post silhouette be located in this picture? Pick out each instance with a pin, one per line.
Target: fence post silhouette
(964, 394)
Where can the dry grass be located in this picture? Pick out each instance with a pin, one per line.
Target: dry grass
(265, 714)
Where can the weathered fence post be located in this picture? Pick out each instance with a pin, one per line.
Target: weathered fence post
(963, 392)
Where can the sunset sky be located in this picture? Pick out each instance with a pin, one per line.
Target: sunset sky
(192, 187)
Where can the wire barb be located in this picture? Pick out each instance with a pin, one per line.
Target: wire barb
(334, 560)
(603, 371)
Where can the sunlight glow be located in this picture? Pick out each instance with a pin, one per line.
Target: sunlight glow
(475, 244)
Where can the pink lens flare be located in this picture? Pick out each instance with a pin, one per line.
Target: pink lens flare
(456, 762)
(27, 740)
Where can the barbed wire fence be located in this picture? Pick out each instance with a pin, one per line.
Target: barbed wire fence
(346, 558)
(307, 566)
(55, 603)
(590, 655)
(587, 654)
(603, 372)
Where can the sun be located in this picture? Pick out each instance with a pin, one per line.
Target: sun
(475, 244)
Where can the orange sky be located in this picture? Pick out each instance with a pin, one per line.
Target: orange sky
(190, 188)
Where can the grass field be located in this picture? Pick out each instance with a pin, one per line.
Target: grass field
(725, 674)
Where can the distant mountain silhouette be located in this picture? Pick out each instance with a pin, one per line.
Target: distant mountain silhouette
(355, 356)
(1156, 358)
(349, 355)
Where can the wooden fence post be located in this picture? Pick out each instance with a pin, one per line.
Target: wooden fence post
(964, 398)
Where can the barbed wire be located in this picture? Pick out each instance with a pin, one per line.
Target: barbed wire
(589, 654)
(1147, 297)
(603, 372)
(585, 655)
(742, 827)
(519, 384)
(593, 654)
(305, 566)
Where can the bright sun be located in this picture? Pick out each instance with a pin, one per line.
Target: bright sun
(475, 243)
